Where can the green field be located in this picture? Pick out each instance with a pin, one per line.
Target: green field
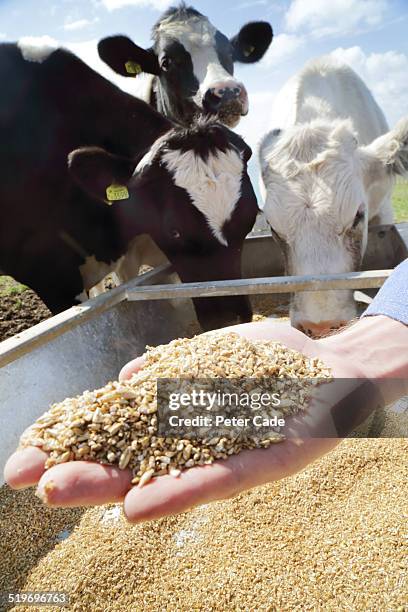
(400, 201)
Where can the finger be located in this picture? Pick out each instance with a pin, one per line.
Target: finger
(83, 483)
(131, 368)
(167, 495)
(25, 467)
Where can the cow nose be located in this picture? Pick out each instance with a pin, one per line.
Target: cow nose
(220, 93)
(319, 330)
(223, 90)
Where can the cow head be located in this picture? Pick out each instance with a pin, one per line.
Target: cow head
(193, 63)
(319, 183)
(192, 194)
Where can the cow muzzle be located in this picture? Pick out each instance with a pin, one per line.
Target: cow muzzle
(321, 329)
(228, 100)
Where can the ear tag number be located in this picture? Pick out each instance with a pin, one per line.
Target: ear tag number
(133, 68)
(116, 192)
(248, 51)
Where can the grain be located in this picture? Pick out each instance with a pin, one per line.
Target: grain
(333, 537)
(270, 306)
(146, 477)
(117, 424)
(28, 531)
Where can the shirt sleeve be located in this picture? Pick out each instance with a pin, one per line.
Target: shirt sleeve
(392, 298)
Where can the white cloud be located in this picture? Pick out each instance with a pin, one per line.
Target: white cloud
(112, 5)
(334, 17)
(3, 35)
(385, 74)
(80, 24)
(281, 49)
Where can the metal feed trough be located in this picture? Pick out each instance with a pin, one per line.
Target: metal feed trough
(85, 346)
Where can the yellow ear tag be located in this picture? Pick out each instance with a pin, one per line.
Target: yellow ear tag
(133, 68)
(116, 192)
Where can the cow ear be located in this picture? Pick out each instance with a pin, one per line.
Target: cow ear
(390, 151)
(251, 42)
(126, 58)
(101, 174)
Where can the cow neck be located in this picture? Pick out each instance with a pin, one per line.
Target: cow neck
(136, 127)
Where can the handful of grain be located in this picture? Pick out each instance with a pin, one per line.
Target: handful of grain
(117, 424)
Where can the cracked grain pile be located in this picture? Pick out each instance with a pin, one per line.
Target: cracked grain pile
(330, 538)
(117, 424)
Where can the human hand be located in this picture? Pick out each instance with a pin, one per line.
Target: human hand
(82, 483)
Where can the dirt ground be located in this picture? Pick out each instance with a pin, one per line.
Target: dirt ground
(20, 308)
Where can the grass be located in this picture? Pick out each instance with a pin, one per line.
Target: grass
(8, 286)
(400, 201)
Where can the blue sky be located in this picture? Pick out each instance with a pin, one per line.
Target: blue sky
(370, 35)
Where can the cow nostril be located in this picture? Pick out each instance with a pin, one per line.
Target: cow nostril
(215, 91)
(224, 92)
(302, 329)
(221, 95)
(321, 329)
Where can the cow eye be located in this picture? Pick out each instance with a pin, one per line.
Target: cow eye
(358, 218)
(165, 63)
(175, 234)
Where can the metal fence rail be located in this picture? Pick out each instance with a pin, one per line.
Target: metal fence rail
(252, 286)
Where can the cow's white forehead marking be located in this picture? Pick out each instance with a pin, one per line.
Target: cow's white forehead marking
(192, 32)
(214, 185)
(37, 48)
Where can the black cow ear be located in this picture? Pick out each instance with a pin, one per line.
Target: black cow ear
(252, 41)
(101, 174)
(126, 58)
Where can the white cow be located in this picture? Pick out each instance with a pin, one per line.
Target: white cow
(328, 169)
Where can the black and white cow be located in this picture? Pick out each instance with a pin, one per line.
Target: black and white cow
(187, 188)
(191, 64)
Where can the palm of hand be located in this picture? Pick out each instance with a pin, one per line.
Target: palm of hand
(83, 483)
